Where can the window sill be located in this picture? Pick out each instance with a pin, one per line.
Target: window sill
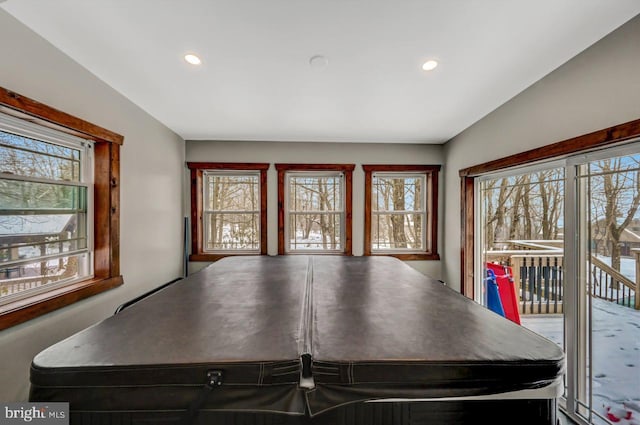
(25, 309)
(215, 257)
(409, 256)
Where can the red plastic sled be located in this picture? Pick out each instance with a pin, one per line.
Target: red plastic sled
(507, 291)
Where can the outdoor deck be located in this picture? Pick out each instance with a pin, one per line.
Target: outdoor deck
(536, 269)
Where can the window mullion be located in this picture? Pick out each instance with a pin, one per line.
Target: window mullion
(17, 177)
(231, 211)
(44, 257)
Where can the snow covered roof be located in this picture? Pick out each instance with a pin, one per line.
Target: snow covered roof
(34, 224)
(629, 236)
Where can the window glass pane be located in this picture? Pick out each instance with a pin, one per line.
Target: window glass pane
(232, 193)
(397, 231)
(232, 205)
(32, 236)
(43, 225)
(16, 195)
(315, 193)
(522, 258)
(315, 206)
(315, 231)
(232, 231)
(33, 222)
(393, 198)
(609, 250)
(33, 158)
(39, 275)
(397, 193)
(525, 207)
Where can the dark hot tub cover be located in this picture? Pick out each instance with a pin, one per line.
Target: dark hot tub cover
(372, 328)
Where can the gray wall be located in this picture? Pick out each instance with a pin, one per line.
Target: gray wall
(320, 153)
(597, 89)
(152, 161)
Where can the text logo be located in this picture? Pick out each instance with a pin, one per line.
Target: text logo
(34, 413)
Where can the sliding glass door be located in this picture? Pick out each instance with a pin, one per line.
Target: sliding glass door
(563, 238)
(521, 235)
(607, 249)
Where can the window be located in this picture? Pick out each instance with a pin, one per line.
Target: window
(231, 212)
(45, 215)
(314, 208)
(521, 226)
(60, 206)
(401, 211)
(228, 210)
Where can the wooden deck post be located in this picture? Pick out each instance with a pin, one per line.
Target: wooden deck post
(515, 269)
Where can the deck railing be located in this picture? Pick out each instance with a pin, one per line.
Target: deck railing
(607, 283)
(15, 286)
(538, 276)
(539, 280)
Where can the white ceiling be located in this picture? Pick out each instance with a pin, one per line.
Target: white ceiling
(256, 82)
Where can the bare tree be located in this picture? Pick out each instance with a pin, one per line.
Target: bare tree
(550, 206)
(516, 213)
(397, 220)
(619, 200)
(527, 206)
(314, 199)
(527, 211)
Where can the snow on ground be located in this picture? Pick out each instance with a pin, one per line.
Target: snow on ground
(616, 354)
(627, 265)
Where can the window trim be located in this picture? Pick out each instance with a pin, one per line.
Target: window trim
(431, 172)
(197, 226)
(106, 206)
(347, 169)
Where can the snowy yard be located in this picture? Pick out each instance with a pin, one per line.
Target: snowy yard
(616, 353)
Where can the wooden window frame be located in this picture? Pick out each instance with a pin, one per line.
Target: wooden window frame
(347, 169)
(106, 253)
(197, 239)
(431, 173)
(588, 142)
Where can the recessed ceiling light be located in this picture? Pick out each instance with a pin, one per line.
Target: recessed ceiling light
(192, 59)
(318, 61)
(430, 65)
